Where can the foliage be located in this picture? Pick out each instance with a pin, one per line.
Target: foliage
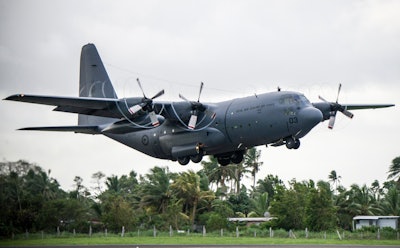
(186, 200)
(289, 206)
(394, 170)
(320, 210)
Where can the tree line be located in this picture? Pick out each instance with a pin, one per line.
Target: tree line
(31, 200)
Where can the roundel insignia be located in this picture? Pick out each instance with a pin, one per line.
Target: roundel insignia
(145, 140)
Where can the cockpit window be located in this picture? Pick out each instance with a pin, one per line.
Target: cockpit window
(294, 100)
(287, 100)
(304, 99)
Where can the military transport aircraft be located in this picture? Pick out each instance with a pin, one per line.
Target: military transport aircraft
(187, 130)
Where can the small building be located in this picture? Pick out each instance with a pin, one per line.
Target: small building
(378, 221)
(251, 220)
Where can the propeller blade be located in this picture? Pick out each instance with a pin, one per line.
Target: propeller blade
(192, 122)
(201, 89)
(153, 119)
(337, 97)
(183, 98)
(347, 113)
(322, 99)
(158, 94)
(134, 109)
(332, 121)
(141, 88)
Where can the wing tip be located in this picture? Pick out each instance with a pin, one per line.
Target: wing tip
(14, 97)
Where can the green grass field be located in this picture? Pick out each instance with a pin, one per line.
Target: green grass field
(190, 240)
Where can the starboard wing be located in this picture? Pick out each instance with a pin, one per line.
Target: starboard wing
(365, 106)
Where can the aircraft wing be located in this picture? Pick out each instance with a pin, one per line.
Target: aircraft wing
(365, 106)
(105, 107)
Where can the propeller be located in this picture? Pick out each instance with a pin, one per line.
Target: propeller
(146, 105)
(197, 107)
(335, 106)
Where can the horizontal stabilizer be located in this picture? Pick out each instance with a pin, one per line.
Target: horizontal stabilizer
(76, 129)
(82, 102)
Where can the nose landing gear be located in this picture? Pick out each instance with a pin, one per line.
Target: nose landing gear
(292, 143)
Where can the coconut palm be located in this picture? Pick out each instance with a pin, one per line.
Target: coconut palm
(218, 174)
(391, 203)
(335, 179)
(361, 201)
(394, 170)
(252, 161)
(156, 189)
(187, 187)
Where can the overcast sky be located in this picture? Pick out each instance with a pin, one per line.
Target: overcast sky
(236, 48)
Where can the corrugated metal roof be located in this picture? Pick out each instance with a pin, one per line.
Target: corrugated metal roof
(251, 219)
(366, 217)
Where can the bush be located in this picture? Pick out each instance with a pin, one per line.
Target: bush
(216, 222)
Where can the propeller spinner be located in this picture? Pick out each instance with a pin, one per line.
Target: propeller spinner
(335, 106)
(197, 107)
(146, 105)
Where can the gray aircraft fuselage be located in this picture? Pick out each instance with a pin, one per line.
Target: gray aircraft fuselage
(238, 124)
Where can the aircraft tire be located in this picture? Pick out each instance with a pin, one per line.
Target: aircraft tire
(237, 157)
(224, 161)
(183, 160)
(296, 144)
(290, 143)
(196, 158)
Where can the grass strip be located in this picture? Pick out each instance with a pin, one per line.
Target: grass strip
(188, 240)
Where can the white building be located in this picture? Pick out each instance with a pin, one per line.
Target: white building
(378, 221)
(251, 220)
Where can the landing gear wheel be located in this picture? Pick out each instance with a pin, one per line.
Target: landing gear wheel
(183, 160)
(296, 144)
(223, 161)
(196, 158)
(290, 143)
(237, 157)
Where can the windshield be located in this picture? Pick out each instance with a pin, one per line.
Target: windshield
(294, 99)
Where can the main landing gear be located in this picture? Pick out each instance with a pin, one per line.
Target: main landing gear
(292, 143)
(195, 159)
(225, 159)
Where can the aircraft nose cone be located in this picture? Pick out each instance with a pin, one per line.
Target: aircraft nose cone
(312, 116)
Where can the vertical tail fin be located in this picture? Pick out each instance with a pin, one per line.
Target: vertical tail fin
(93, 82)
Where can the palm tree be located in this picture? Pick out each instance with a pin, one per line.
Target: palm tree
(112, 184)
(394, 170)
(240, 171)
(156, 189)
(361, 201)
(376, 190)
(391, 203)
(187, 187)
(210, 168)
(218, 174)
(252, 161)
(261, 205)
(335, 179)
